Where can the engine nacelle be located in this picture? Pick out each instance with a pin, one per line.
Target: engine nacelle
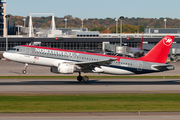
(63, 68)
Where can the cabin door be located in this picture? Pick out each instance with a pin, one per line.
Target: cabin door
(140, 66)
(27, 52)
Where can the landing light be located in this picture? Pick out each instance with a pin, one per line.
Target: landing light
(58, 38)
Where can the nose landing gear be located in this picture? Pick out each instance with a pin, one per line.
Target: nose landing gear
(25, 68)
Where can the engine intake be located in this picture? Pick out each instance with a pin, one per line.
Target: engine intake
(54, 70)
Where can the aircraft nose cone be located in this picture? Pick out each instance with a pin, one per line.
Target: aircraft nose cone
(5, 54)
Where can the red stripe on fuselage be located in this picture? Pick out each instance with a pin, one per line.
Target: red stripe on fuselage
(73, 51)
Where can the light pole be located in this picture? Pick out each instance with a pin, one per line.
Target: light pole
(165, 22)
(65, 22)
(24, 22)
(121, 18)
(116, 25)
(82, 22)
(18, 28)
(7, 16)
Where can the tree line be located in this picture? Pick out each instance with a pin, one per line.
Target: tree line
(107, 25)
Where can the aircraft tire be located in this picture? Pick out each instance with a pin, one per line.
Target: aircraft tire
(79, 78)
(24, 71)
(85, 78)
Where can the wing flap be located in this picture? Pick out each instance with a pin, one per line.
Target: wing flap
(90, 65)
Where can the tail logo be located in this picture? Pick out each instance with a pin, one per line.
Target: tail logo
(167, 41)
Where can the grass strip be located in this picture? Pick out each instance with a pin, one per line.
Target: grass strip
(91, 77)
(89, 103)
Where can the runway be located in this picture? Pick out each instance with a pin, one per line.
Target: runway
(71, 86)
(94, 86)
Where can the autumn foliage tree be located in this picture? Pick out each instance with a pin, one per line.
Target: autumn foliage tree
(106, 31)
(130, 25)
(126, 29)
(100, 29)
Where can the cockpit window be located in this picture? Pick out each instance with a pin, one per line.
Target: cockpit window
(14, 49)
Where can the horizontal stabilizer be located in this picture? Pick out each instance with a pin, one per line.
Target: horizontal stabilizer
(163, 67)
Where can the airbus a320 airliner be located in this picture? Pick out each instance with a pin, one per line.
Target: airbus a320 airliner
(63, 61)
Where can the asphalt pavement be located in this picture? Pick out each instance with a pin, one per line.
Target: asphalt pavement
(72, 86)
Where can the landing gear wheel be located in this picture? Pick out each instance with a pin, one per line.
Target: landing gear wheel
(85, 78)
(25, 68)
(24, 71)
(79, 78)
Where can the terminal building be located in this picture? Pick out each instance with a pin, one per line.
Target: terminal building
(162, 30)
(3, 29)
(83, 43)
(77, 38)
(72, 38)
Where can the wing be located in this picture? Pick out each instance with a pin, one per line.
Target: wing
(90, 65)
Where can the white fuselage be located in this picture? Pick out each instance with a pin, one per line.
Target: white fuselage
(43, 61)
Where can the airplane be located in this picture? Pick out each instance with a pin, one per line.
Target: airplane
(141, 45)
(137, 52)
(130, 51)
(63, 61)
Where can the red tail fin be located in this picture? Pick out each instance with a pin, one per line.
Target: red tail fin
(141, 46)
(159, 52)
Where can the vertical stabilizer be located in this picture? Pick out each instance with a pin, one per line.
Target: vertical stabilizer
(160, 51)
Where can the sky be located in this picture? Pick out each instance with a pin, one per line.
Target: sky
(97, 8)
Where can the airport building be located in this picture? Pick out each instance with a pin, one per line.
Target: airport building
(71, 38)
(162, 30)
(76, 38)
(3, 29)
(82, 43)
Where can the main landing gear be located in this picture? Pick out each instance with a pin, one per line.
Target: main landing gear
(84, 78)
(25, 68)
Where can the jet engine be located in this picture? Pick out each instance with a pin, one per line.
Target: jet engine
(54, 70)
(63, 68)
